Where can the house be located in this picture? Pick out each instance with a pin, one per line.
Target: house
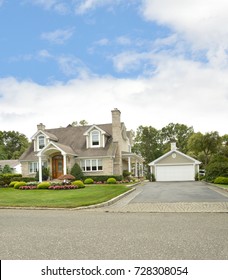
(99, 149)
(14, 164)
(175, 166)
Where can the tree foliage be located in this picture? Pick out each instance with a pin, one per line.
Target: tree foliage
(80, 123)
(147, 143)
(12, 144)
(178, 133)
(152, 143)
(204, 146)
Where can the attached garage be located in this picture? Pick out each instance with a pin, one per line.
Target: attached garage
(175, 166)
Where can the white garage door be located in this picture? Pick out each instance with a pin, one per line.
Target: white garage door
(175, 173)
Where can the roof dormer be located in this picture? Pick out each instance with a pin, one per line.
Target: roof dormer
(95, 137)
(41, 138)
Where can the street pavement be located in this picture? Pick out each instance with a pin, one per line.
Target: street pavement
(75, 235)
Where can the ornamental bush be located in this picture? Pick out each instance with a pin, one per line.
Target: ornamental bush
(221, 180)
(11, 185)
(78, 183)
(88, 181)
(19, 184)
(44, 185)
(111, 181)
(76, 171)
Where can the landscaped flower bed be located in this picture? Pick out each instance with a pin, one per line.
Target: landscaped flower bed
(66, 187)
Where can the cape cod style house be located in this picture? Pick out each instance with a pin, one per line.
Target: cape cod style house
(101, 149)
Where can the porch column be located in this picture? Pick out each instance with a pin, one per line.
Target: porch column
(142, 167)
(136, 168)
(40, 169)
(64, 164)
(129, 164)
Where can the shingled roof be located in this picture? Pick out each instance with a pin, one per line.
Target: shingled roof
(73, 140)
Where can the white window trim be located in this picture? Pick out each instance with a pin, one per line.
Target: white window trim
(36, 163)
(38, 142)
(35, 167)
(83, 164)
(91, 139)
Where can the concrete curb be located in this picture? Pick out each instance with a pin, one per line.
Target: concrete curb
(104, 204)
(215, 186)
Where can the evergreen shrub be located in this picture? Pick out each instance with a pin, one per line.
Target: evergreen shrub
(19, 184)
(44, 185)
(78, 183)
(111, 181)
(89, 181)
(221, 180)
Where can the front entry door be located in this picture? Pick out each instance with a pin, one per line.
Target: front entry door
(57, 166)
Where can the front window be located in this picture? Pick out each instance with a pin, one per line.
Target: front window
(95, 138)
(41, 142)
(91, 165)
(33, 167)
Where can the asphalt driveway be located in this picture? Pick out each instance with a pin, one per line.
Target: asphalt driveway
(168, 192)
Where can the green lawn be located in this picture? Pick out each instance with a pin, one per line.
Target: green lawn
(92, 194)
(222, 186)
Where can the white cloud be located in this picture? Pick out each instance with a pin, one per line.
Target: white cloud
(102, 42)
(87, 5)
(181, 92)
(61, 7)
(59, 36)
(131, 60)
(124, 40)
(202, 23)
(72, 66)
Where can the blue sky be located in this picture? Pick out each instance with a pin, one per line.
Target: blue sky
(158, 61)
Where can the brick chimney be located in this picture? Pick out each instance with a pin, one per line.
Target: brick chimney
(40, 126)
(117, 140)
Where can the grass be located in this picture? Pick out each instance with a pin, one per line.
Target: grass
(222, 186)
(92, 194)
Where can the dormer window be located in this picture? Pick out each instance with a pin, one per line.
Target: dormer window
(41, 142)
(95, 138)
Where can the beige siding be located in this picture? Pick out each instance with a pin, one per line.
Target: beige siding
(25, 170)
(170, 160)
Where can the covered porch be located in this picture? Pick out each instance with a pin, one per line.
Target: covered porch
(59, 158)
(133, 163)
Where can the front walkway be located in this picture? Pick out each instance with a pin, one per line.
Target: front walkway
(131, 204)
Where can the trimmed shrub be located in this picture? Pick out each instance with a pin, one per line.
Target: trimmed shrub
(76, 171)
(19, 184)
(104, 178)
(5, 179)
(111, 181)
(221, 180)
(44, 185)
(32, 184)
(88, 181)
(11, 185)
(56, 183)
(78, 183)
